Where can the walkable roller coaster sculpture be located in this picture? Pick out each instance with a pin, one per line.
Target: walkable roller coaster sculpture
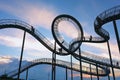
(102, 65)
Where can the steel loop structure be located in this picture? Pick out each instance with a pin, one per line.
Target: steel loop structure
(74, 44)
(102, 64)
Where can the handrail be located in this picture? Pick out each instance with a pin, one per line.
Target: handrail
(103, 18)
(61, 63)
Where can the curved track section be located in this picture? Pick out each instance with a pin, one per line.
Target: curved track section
(105, 17)
(73, 46)
(102, 70)
(26, 27)
(12, 23)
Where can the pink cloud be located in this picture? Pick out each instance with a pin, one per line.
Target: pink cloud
(84, 75)
(38, 15)
(33, 48)
(5, 59)
(16, 41)
(104, 49)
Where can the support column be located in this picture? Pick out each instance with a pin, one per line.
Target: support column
(26, 74)
(21, 56)
(66, 74)
(81, 77)
(71, 68)
(111, 60)
(117, 34)
(54, 63)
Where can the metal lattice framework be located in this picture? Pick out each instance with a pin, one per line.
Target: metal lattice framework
(64, 64)
(71, 49)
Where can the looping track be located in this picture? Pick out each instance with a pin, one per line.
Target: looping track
(103, 18)
(74, 44)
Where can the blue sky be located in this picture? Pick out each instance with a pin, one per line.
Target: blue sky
(40, 14)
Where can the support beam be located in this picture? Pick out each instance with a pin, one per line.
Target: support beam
(71, 68)
(26, 74)
(21, 56)
(53, 63)
(81, 77)
(66, 74)
(117, 34)
(111, 60)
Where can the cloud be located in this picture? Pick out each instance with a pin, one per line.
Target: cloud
(31, 55)
(41, 15)
(84, 75)
(10, 41)
(32, 49)
(5, 59)
(104, 49)
(68, 28)
(38, 15)
(102, 46)
(15, 41)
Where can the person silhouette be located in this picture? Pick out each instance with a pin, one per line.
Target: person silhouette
(90, 38)
(32, 29)
(117, 64)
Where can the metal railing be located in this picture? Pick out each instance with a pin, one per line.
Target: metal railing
(6, 22)
(60, 63)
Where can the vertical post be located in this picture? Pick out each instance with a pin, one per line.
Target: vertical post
(66, 74)
(54, 63)
(97, 71)
(71, 68)
(81, 77)
(117, 34)
(111, 60)
(90, 72)
(20, 62)
(26, 74)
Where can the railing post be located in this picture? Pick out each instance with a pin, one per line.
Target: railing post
(20, 62)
